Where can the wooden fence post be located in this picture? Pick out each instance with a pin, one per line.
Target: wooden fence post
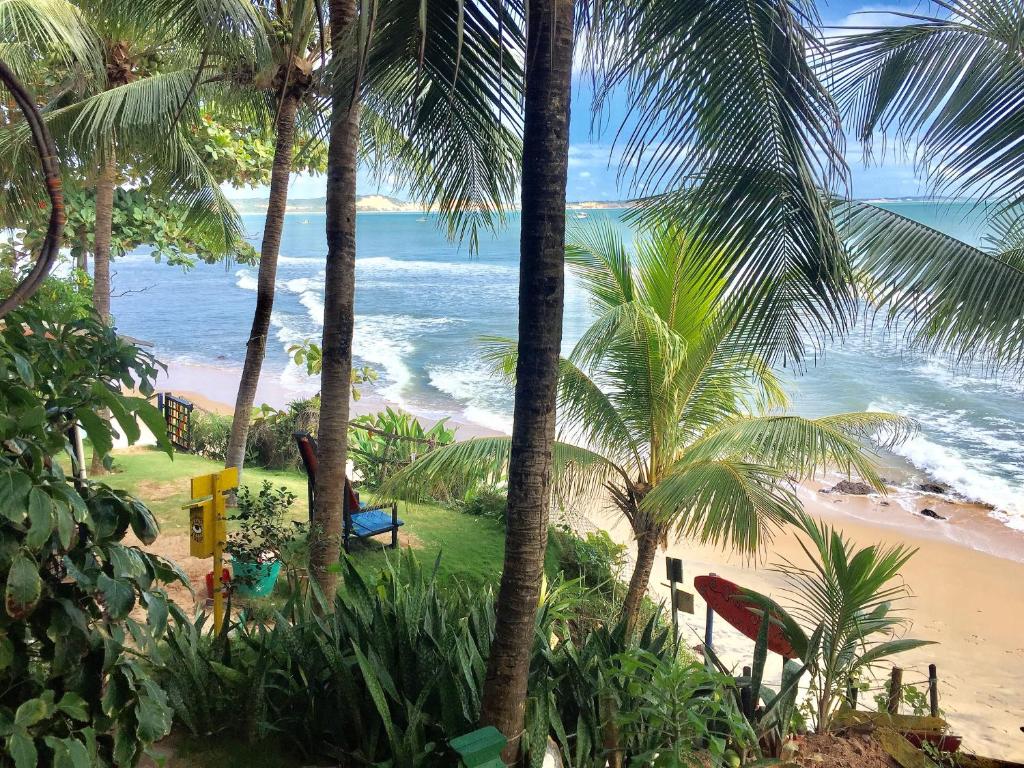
(895, 691)
(933, 690)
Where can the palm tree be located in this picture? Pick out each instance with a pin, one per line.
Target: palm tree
(948, 87)
(290, 80)
(671, 410)
(545, 162)
(426, 92)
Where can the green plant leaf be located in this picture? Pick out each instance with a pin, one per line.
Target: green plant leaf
(24, 588)
(40, 514)
(118, 595)
(74, 706)
(14, 487)
(22, 748)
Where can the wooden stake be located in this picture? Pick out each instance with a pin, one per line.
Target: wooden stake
(933, 689)
(895, 691)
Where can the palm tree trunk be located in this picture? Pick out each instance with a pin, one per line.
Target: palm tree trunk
(105, 183)
(541, 293)
(646, 549)
(257, 346)
(339, 310)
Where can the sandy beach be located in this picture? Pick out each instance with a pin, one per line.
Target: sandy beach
(967, 579)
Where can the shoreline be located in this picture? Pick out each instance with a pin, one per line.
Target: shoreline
(964, 579)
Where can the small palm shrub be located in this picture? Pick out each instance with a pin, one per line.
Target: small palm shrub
(485, 501)
(377, 456)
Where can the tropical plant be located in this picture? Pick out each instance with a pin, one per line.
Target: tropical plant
(73, 690)
(850, 596)
(943, 85)
(118, 80)
(680, 415)
(382, 443)
(428, 92)
(263, 531)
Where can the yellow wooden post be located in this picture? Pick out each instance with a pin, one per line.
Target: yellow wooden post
(209, 528)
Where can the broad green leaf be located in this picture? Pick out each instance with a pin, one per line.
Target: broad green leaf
(74, 706)
(24, 368)
(14, 488)
(97, 429)
(153, 714)
(153, 419)
(40, 514)
(157, 614)
(31, 712)
(23, 749)
(118, 595)
(24, 588)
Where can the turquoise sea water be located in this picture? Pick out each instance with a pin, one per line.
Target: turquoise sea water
(422, 303)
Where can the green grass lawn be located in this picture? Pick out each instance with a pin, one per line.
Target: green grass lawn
(471, 547)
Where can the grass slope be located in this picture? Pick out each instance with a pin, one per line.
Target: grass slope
(471, 548)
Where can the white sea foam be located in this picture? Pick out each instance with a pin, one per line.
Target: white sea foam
(975, 462)
(246, 280)
(472, 384)
(470, 267)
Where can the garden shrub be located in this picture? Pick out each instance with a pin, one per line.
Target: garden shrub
(210, 434)
(595, 558)
(376, 457)
(486, 501)
(72, 689)
(397, 669)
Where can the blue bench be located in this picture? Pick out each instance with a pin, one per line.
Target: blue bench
(361, 520)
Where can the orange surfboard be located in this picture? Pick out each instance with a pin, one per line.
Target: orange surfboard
(731, 602)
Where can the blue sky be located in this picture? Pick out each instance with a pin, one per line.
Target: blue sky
(592, 166)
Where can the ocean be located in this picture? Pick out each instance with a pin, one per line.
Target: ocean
(422, 303)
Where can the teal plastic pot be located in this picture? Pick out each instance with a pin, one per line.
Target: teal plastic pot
(254, 579)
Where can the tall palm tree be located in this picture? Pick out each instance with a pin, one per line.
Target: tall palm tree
(291, 80)
(426, 92)
(947, 86)
(671, 410)
(545, 162)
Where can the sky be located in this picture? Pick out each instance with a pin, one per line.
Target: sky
(592, 166)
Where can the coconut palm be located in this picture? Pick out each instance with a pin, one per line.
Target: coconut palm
(290, 82)
(665, 405)
(947, 86)
(120, 101)
(426, 93)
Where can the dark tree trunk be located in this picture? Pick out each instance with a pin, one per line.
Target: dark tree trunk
(541, 293)
(105, 184)
(257, 346)
(339, 303)
(646, 549)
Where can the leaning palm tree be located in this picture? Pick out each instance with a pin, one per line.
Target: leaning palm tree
(288, 85)
(667, 406)
(428, 93)
(947, 86)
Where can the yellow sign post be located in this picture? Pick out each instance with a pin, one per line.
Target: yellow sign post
(208, 529)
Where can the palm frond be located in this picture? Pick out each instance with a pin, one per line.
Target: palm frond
(952, 84)
(942, 294)
(576, 472)
(56, 26)
(729, 130)
(804, 447)
(724, 502)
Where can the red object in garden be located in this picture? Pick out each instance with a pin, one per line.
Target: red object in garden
(225, 578)
(945, 742)
(730, 601)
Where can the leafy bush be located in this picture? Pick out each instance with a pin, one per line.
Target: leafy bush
(210, 434)
(271, 443)
(486, 501)
(595, 559)
(377, 456)
(72, 691)
(264, 531)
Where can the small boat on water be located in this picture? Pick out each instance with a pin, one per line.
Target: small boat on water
(305, 221)
(581, 215)
(422, 218)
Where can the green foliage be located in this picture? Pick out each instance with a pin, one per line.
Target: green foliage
(264, 532)
(594, 559)
(378, 456)
(401, 662)
(850, 597)
(210, 434)
(141, 217)
(485, 501)
(270, 443)
(72, 691)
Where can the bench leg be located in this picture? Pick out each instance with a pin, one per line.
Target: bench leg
(394, 525)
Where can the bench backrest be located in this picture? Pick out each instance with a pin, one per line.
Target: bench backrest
(308, 453)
